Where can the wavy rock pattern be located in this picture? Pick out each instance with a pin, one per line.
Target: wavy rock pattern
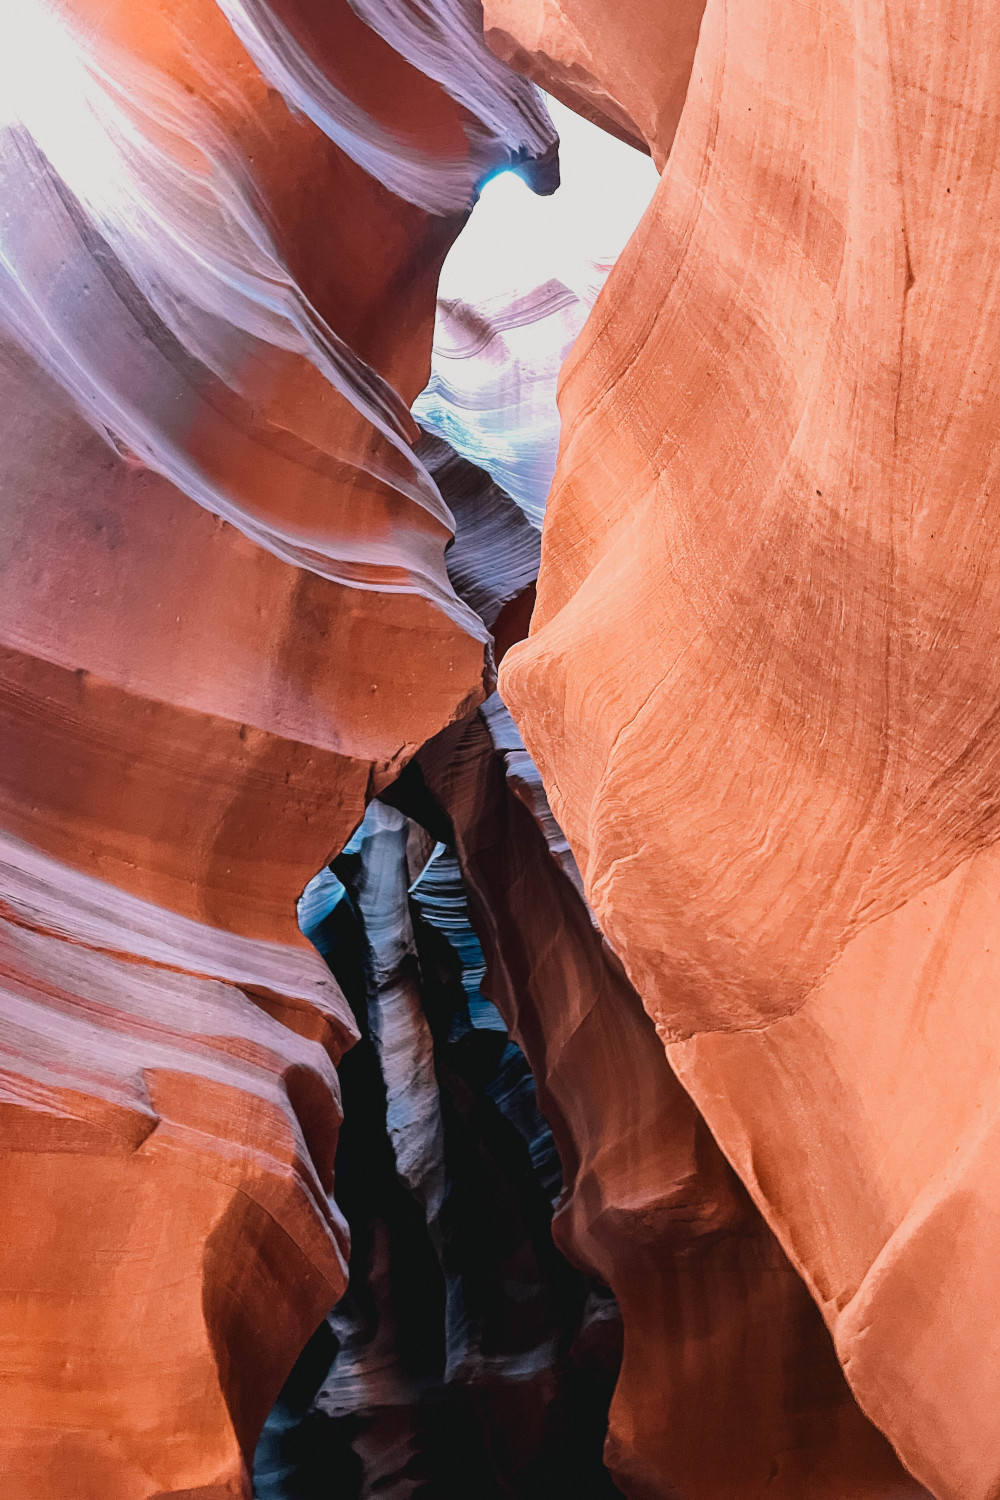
(760, 683)
(494, 558)
(149, 1100)
(225, 618)
(492, 389)
(153, 848)
(467, 1357)
(444, 40)
(162, 259)
(515, 292)
(241, 587)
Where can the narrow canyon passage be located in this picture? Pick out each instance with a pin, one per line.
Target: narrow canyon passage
(498, 750)
(469, 1356)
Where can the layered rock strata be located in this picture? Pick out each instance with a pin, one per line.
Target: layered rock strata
(225, 617)
(491, 394)
(168, 1120)
(194, 248)
(760, 684)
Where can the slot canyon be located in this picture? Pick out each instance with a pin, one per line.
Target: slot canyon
(498, 896)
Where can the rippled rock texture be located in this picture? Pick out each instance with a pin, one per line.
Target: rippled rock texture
(225, 619)
(468, 1356)
(168, 1121)
(241, 588)
(760, 684)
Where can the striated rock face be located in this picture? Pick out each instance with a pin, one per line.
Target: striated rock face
(194, 248)
(225, 619)
(185, 714)
(241, 584)
(761, 684)
(729, 1384)
(468, 1358)
(168, 1116)
(493, 382)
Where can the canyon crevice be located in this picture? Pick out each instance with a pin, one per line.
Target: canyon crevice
(497, 900)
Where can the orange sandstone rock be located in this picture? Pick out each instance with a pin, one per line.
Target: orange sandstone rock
(185, 714)
(761, 684)
(225, 617)
(163, 807)
(166, 1153)
(729, 1385)
(628, 74)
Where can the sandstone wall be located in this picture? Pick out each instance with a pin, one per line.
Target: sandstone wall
(760, 683)
(225, 617)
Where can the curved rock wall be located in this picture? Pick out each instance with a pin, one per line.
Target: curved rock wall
(168, 1118)
(729, 1385)
(225, 618)
(760, 683)
(759, 686)
(627, 73)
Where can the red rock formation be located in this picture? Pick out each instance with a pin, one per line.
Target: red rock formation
(761, 679)
(206, 298)
(166, 1155)
(759, 684)
(186, 714)
(729, 1385)
(226, 290)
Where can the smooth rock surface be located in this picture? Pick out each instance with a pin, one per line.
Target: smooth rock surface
(729, 1385)
(627, 73)
(760, 684)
